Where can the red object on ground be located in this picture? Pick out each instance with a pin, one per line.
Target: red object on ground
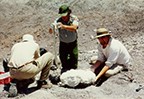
(5, 80)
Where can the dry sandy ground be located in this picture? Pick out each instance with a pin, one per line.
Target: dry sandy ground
(125, 18)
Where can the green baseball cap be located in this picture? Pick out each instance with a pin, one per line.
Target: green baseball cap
(63, 10)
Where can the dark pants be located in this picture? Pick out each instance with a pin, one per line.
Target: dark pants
(68, 55)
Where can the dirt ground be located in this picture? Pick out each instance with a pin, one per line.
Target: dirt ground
(124, 18)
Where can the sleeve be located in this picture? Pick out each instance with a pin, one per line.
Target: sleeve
(54, 23)
(101, 56)
(75, 20)
(113, 56)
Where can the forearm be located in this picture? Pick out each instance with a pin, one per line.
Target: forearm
(70, 28)
(96, 65)
(102, 72)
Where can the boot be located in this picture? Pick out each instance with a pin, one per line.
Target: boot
(43, 84)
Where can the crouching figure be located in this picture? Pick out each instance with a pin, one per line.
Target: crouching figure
(25, 62)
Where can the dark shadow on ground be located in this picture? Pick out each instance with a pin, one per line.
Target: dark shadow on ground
(100, 81)
(30, 90)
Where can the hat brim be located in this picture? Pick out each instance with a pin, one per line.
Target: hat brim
(98, 36)
(63, 14)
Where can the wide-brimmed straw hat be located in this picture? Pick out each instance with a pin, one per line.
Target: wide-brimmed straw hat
(102, 32)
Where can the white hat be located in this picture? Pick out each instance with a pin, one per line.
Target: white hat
(28, 37)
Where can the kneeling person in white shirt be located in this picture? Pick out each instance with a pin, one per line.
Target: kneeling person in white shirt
(113, 56)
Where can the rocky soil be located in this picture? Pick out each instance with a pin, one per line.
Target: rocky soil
(124, 18)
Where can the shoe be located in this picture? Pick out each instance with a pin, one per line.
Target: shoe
(125, 69)
(43, 84)
(22, 85)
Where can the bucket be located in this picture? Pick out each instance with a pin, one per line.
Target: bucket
(5, 78)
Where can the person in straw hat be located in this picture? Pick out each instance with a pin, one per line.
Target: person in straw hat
(113, 56)
(25, 61)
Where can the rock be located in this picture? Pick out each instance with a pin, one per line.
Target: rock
(73, 78)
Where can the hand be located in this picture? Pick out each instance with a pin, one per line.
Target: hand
(92, 68)
(54, 26)
(60, 25)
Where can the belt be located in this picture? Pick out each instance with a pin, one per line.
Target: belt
(33, 62)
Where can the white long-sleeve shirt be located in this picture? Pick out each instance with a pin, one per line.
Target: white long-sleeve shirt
(22, 53)
(114, 53)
